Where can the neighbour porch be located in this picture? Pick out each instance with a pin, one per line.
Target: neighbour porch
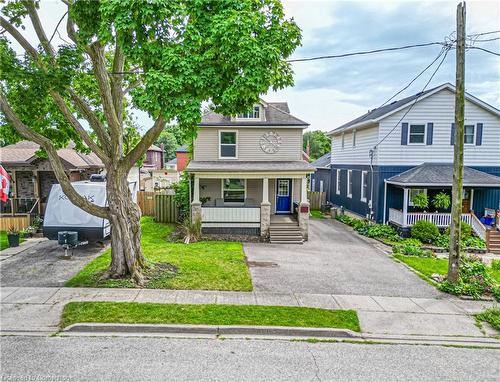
(243, 202)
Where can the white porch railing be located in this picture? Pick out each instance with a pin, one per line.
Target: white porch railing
(440, 219)
(478, 227)
(232, 216)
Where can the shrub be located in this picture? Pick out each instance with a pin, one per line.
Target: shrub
(474, 279)
(420, 200)
(441, 200)
(411, 247)
(425, 231)
(181, 196)
(442, 241)
(191, 230)
(380, 231)
(473, 242)
(492, 316)
(344, 219)
(495, 265)
(465, 231)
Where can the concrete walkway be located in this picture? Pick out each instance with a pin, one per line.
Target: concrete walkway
(37, 310)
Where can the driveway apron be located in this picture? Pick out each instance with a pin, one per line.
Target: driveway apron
(335, 260)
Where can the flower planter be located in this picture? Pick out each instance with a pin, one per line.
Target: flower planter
(13, 239)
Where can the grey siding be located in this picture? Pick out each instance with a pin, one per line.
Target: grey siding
(206, 145)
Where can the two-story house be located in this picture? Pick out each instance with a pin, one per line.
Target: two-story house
(249, 175)
(382, 159)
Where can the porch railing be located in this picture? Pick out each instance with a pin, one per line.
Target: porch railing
(230, 215)
(439, 219)
(478, 227)
(396, 216)
(19, 206)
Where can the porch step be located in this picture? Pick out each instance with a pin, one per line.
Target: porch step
(494, 242)
(285, 232)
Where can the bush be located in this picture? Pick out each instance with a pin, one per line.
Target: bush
(441, 200)
(465, 231)
(191, 230)
(474, 279)
(411, 247)
(181, 196)
(380, 231)
(425, 231)
(473, 242)
(495, 265)
(442, 241)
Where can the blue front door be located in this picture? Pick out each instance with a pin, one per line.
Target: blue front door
(283, 196)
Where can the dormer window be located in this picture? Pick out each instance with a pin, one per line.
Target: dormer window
(254, 113)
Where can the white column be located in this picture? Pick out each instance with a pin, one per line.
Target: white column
(265, 191)
(196, 190)
(405, 205)
(471, 199)
(303, 190)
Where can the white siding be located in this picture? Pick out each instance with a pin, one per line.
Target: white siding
(206, 145)
(359, 154)
(439, 109)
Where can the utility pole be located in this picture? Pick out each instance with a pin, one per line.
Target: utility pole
(458, 154)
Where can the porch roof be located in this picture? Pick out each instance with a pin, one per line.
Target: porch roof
(250, 166)
(441, 175)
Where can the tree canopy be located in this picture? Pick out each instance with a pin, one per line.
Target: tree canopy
(319, 143)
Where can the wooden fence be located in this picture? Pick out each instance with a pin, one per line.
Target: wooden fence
(18, 222)
(159, 205)
(316, 199)
(166, 210)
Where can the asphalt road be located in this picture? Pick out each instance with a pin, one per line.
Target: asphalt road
(162, 359)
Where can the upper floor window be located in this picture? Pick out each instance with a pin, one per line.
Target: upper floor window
(337, 182)
(469, 134)
(228, 144)
(254, 113)
(354, 138)
(343, 140)
(417, 134)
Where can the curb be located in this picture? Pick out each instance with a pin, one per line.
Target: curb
(211, 330)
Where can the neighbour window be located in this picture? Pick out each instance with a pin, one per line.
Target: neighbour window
(364, 186)
(349, 183)
(337, 183)
(251, 114)
(469, 134)
(320, 186)
(415, 191)
(417, 134)
(227, 144)
(343, 140)
(354, 138)
(314, 185)
(233, 190)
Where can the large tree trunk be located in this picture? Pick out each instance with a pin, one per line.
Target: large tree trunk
(127, 259)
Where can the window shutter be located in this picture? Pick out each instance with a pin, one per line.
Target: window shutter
(452, 137)
(430, 128)
(404, 133)
(479, 134)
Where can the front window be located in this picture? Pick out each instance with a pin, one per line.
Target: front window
(364, 186)
(233, 190)
(337, 183)
(227, 144)
(417, 134)
(349, 183)
(469, 134)
(254, 113)
(414, 192)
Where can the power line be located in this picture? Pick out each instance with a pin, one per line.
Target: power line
(414, 101)
(484, 33)
(485, 50)
(365, 52)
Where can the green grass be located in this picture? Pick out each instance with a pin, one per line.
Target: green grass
(211, 265)
(428, 266)
(4, 242)
(207, 314)
(316, 214)
(492, 316)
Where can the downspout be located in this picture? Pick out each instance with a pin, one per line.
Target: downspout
(372, 153)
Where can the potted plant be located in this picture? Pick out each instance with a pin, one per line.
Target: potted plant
(420, 200)
(441, 201)
(13, 237)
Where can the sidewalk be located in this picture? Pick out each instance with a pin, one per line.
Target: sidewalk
(37, 310)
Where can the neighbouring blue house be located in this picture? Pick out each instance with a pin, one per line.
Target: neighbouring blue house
(382, 159)
(320, 180)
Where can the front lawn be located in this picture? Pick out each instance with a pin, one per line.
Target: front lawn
(207, 314)
(210, 265)
(429, 266)
(316, 214)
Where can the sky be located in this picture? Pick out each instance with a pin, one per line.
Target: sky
(328, 93)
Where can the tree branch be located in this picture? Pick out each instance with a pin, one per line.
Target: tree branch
(117, 81)
(4, 23)
(54, 159)
(147, 140)
(61, 104)
(37, 25)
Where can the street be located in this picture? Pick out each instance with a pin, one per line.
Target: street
(157, 359)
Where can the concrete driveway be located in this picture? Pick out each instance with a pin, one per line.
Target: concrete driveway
(43, 266)
(335, 260)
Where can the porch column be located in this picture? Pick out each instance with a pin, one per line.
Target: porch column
(196, 204)
(303, 213)
(405, 206)
(471, 208)
(265, 209)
